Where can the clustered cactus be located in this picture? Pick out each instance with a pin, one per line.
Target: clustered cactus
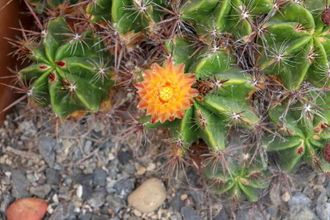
(70, 71)
(246, 78)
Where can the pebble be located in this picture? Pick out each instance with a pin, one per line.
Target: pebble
(323, 211)
(183, 197)
(53, 176)
(177, 203)
(124, 186)
(47, 149)
(20, 184)
(286, 196)
(140, 170)
(99, 177)
(137, 213)
(97, 199)
(299, 199)
(40, 191)
(189, 213)
(151, 167)
(149, 196)
(302, 213)
(124, 156)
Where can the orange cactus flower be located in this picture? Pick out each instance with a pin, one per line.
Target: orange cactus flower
(166, 92)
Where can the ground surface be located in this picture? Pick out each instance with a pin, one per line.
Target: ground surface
(86, 172)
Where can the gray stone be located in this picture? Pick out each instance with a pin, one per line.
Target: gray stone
(124, 186)
(63, 211)
(302, 213)
(88, 146)
(87, 216)
(53, 176)
(198, 197)
(97, 199)
(84, 179)
(100, 177)
(100, 217)
(323, 211)
(176, 203)
(323, 198)
(247, 214)
(47, 149)
(189, 213)
(222, 215)
(20, 184)
(6, 200)
(115, 203)
(124, 157)
(299, 199)
(328, 189)
(40, 191)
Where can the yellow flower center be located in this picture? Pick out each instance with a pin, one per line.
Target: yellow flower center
(166, 93)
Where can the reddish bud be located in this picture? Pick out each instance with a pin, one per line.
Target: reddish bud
(326, 152)
(60, 63)
(326, 16)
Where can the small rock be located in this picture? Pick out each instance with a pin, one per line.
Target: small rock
(53, 176)
(183, 196)
(285, 197)
(323, 198)
(47, 149)
(137, 213)
(40, 191)
(151, 167)
(177, 203)
(20, 184)
(189, 213)
(323, 211)
(6, 200)
(115, 203)
(299, 199)
(100, 217)
(124, 157)
(149, 196)
(100, 177)
(63, 211)
(97, 199)
(87, 216)
(328, 189)
(84, 179)
(141, 170)
(79, 191)
(88, 146)
(124, 186)
(303, 213)
(222, 215)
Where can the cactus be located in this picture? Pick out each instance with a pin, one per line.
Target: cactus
(41, 5)
(295, 50)
(225, 91)
(304, 133)
(253, 74)
(99, 10)
(239, 180)
(222, 103)
(70, 70)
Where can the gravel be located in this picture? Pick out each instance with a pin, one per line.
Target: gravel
(85, 172)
